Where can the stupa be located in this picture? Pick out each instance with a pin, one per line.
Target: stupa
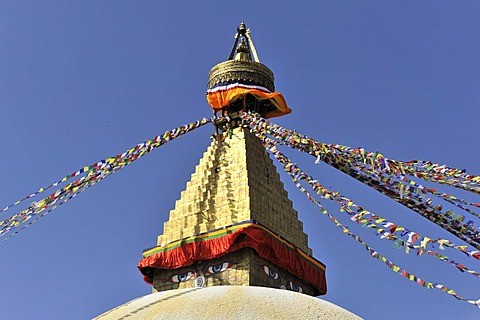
(233, 239)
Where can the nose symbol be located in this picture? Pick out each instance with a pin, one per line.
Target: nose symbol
(200, 282)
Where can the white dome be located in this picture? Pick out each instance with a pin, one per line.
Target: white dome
(227, 302)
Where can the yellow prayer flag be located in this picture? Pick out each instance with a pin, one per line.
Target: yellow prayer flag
(425, 241)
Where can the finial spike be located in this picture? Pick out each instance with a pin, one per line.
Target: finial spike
(242, 29)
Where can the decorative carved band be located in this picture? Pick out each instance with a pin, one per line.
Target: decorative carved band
(248, 71)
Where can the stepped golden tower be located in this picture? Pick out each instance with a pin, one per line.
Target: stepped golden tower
(234, 223)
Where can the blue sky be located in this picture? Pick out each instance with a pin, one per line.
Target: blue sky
(82, 81)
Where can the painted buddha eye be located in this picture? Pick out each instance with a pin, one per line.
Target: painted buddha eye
(294, 287)
(181, 277)
(272, 274)
(217, 268)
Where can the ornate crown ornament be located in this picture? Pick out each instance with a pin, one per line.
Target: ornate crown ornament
(242, 65)
(242, 83)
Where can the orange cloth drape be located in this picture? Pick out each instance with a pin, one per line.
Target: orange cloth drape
(221, 98)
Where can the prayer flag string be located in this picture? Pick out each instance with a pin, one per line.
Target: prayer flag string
(422, 169)
(55, 206)
(386, 229)
(93, 174)
(415, 199)
(298, 175)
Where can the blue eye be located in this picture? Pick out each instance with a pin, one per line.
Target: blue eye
(272, 274)
(294, 287)
(218, 268)
(182, 277)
